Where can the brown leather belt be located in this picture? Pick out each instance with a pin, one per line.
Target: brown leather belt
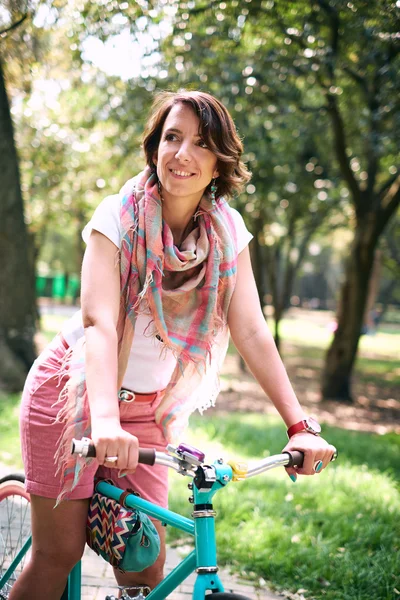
(129, 396)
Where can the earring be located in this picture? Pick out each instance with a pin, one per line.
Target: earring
(159, 189)
(213, 191)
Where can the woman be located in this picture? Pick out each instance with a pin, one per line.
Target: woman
(165, 273)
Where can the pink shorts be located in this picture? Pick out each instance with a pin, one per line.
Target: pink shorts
(40, 434)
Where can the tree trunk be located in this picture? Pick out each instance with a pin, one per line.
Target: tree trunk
(386, 297)
(336, 378)
(373, 291)
(277, 337)
(257, 260)
(17, 275)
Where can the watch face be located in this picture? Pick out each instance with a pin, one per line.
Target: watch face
(313, 425)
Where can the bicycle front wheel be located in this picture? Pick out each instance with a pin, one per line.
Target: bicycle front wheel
(15, 526)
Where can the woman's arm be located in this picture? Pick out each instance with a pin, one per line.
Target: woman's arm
(100, 298)
(253, 339)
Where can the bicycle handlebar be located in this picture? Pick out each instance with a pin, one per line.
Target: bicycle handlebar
(149, 456)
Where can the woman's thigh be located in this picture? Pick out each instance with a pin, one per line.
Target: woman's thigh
(58, 534)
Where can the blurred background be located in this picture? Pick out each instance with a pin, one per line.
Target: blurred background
(313, 87)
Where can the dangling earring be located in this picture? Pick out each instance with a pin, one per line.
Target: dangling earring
(213, 191)
(159, 190)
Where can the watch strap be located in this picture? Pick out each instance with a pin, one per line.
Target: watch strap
(300, 426)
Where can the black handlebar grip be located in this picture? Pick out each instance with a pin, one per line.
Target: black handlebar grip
(91, 451)
(147, 456)
(295, 458)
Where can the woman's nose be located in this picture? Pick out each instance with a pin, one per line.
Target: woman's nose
(183, 153)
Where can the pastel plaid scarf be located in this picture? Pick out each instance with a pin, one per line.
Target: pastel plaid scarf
(186, 291)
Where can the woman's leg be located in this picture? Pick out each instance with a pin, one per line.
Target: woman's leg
(58, 541)
(152, 575)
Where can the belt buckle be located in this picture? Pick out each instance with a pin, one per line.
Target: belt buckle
(126, 396)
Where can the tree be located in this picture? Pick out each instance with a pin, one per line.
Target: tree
(17, 283)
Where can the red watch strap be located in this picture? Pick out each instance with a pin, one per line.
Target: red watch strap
(300, 426)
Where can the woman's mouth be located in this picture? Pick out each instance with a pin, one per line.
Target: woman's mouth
(180, 174)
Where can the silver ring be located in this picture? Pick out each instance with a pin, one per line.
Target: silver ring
(112, 459)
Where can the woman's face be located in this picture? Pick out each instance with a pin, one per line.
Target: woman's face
(185, 166)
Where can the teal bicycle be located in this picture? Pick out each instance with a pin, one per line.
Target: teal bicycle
(206, 481)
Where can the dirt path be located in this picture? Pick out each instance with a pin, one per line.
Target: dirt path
(375, 409)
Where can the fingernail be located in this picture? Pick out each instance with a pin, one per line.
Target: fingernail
(293, 478)
(122, 474)
(319, 466)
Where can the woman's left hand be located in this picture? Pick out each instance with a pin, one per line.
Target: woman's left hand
(317, 454)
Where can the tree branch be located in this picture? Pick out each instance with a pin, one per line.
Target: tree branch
(204, 8)
(333, 17)
(340, 149)
(391, 198)
(357, 78)
(385, 186)
(14, 25)
(390, 202)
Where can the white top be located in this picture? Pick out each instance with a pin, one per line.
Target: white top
(148, 370)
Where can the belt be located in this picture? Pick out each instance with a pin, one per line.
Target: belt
(129, 396)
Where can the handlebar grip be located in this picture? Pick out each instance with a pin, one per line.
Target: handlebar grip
(295, 458)
(147, 456)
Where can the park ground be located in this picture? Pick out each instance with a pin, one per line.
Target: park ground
(334, 536)
(376, 379)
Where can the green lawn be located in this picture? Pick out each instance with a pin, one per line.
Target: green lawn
(334, 536)
(9, 432)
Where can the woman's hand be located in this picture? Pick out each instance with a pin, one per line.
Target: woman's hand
(111, 440)
(317, 454)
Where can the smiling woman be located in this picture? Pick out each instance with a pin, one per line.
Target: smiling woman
(165, 278)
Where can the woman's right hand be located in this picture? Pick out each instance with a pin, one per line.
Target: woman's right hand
(111, 440)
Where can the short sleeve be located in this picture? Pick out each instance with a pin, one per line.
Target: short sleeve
(106, 220)
(242, 233)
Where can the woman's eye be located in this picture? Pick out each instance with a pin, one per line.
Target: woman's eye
(170, 137)
(202, 144)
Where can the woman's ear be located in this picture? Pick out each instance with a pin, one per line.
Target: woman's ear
(215, 174)
(155, 158)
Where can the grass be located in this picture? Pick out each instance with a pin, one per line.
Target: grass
(9, 430)
(377, 360)
(335, 536)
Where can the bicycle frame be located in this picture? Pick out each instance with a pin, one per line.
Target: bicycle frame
(202, 559)
(207, 481)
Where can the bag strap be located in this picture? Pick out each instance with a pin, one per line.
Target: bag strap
(123, 496)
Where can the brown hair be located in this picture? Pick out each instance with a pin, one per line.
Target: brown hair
(217, 129)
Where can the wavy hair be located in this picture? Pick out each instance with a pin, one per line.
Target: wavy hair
(217, 129)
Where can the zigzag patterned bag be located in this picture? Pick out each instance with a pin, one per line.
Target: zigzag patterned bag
(124, 537)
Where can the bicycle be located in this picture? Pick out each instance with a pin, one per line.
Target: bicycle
(207, 480)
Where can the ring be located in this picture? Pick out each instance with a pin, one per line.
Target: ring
(111, 459)
(318, 466)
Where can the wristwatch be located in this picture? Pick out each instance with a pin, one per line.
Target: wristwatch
(308, 424)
